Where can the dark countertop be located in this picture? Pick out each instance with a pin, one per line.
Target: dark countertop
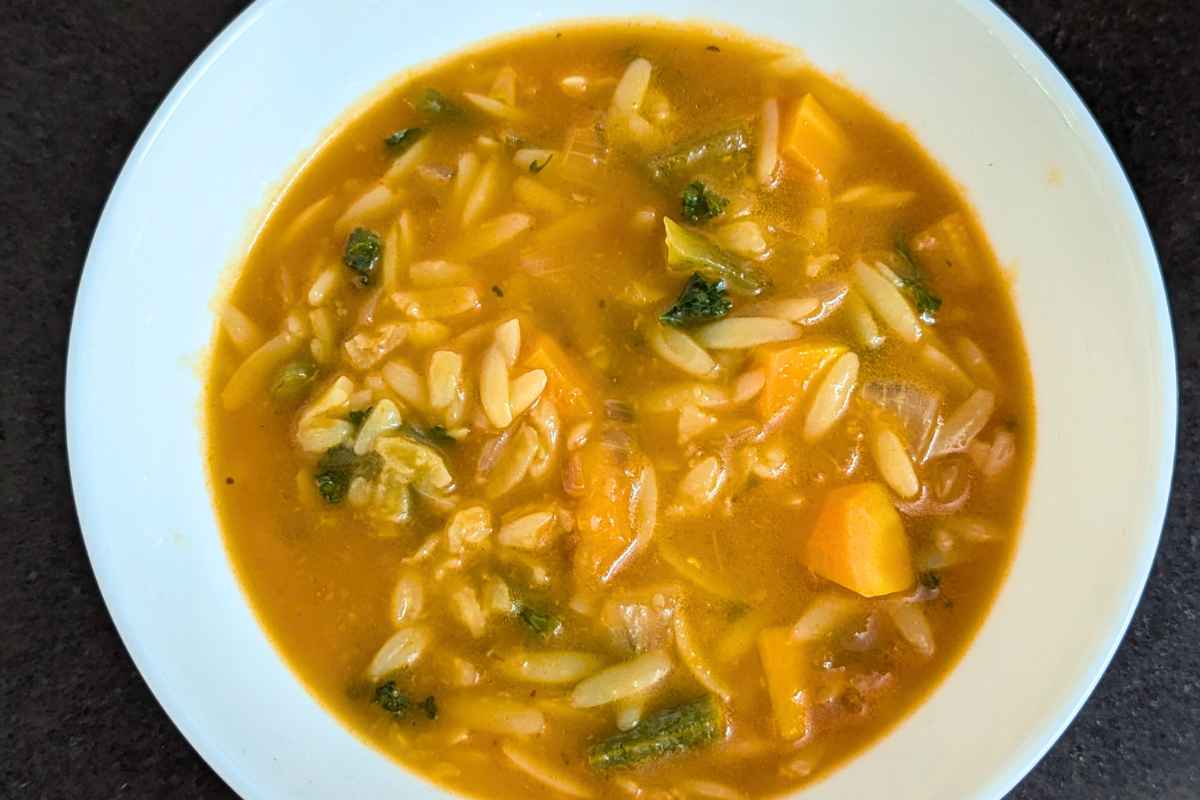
(79, 80)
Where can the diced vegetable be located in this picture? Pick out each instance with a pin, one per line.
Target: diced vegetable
(947, 246)
(675, 730)
(391, 699)
(403, 139)
(293, 380)
(605, 529)
(701, 203)
(567, 384)
(790, 369)
(398, 704)
(859, 542)
(813, 138)
(696, 154)
(363, 251)
(435, 104)
(699, 301)
(541, 622)
(913, 407)
(687, 250)
(962, 426)
(785, 664)
(338, 467)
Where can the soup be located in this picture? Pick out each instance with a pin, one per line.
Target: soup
(620, 411)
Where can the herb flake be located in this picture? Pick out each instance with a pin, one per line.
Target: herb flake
(536, 166)
(403, 139)
(543, 623)
(362, 254)
(701, 203)
(699, 301)
(338, 467)
(928, 303)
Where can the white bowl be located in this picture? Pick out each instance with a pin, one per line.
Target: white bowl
(976, 92)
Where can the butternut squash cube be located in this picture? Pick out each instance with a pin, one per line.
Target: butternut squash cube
(603, 524)
(567, 383)
(813, 138)
(785, 664)
(946, 246)
(790, 368)
(859, 542)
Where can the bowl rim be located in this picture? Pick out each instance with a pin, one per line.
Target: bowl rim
(1039, 67)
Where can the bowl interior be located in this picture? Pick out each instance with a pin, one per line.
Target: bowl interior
(975, 92)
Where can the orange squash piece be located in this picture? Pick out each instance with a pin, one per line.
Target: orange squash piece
(813, 138)
(568, 384)
(790, 368)
(946, 246)
(787, 671)
(602, 518)
(859, 542)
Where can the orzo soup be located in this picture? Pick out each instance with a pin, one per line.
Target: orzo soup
(620, 411)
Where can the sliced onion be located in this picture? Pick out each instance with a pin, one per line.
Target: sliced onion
(961, 428)
(914, 408)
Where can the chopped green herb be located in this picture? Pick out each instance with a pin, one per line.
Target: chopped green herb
(692, 251)
(358, 417)
(540, 622)
(429, 705)
(926, 301)
(403, 139)
(293, 380)
(496, 290)
(700, 301)
(436, 104)
(701, 203)
(931, 580)
(536, 166)
(662, 734)
(338, 467)
(392, 700)
(363, 251)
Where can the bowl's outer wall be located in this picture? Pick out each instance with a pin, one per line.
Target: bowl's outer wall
(975, 91)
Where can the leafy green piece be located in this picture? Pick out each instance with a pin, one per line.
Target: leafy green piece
(928, 303)
(543, 623)
(436, 104)
(701, 203)
(392, 700)
(357, 418)
(691, 251)
(429, 706)
(700, 301)
(662, 734)
(705, 151)
(403, 139)
(536, 166)
(931, 580)
(338, 467)
(363, 251)
(435, 434)
(293, 380)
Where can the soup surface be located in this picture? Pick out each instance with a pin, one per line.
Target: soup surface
(620, 411)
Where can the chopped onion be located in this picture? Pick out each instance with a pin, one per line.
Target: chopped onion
(961, 428)
(914, 408)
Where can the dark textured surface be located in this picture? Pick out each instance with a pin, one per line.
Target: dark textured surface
(79, 80)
